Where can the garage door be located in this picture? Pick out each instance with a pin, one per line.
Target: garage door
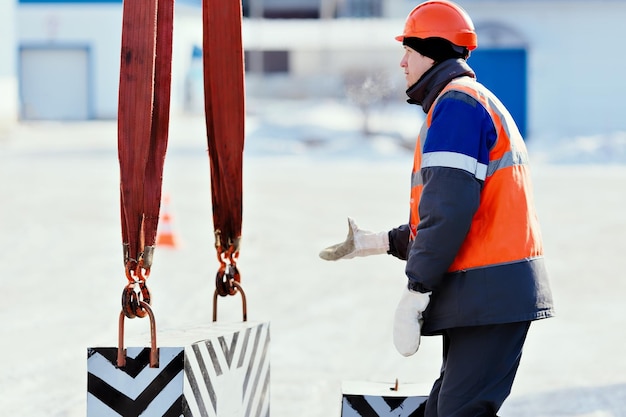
(54, 83)
(503, 70)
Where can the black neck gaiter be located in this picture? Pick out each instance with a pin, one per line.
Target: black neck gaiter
(427, 88)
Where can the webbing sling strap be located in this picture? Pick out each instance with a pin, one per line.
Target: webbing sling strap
(224, 101)
(143, 119)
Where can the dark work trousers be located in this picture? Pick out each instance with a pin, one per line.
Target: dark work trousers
(479, 366)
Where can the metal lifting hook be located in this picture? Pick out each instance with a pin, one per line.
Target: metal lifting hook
(154, 351)
(244, 304)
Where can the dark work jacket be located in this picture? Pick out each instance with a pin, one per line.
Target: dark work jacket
(490, 294)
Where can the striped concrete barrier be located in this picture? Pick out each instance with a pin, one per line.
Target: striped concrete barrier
(220, 370)
(374, 399)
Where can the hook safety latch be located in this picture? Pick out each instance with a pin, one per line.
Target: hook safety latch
(154, 351)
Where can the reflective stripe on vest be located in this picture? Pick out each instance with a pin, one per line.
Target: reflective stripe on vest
(505, 228)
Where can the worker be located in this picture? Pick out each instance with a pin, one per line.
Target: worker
(472, 244)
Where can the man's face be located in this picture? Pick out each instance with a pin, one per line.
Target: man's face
(414, 65)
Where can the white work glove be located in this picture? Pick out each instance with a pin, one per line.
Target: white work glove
(358, 243)
(407, 322)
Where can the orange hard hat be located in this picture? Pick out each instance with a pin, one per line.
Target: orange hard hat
(440, 19)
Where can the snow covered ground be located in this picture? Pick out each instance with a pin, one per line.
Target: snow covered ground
(306, 169)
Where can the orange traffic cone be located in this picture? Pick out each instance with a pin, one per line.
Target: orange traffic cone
(165, 234)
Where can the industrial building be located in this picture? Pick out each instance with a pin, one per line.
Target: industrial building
(553, 62)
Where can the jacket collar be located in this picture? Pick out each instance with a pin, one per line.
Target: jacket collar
(427, 88)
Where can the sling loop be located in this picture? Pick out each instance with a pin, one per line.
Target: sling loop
(132, 297)
(143, 121)
(224, 100)
(228, 273)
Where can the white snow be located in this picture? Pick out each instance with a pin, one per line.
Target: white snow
(306, 169)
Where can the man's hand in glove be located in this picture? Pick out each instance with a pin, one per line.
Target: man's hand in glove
(358, 243)
(408, 321)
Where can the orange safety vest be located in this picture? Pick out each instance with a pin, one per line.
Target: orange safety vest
(505, 228)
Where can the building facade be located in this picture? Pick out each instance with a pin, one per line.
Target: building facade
(8, 76)
(553, 62)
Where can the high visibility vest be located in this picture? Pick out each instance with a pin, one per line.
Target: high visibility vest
(505, 228)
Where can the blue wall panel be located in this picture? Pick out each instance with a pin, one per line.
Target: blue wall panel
(503, 71)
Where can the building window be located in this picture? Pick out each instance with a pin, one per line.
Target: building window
(281, 9)
(311, 9)
(360, 8)
(267, 62)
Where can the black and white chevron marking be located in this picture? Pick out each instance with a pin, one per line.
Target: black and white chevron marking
(380, 406)
(136, 389)
(226, 375)
(229, 376)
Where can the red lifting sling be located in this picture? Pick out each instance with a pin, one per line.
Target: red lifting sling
(224, 101)
(143, 120)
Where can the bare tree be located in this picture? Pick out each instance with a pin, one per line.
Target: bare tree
(365, 88)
